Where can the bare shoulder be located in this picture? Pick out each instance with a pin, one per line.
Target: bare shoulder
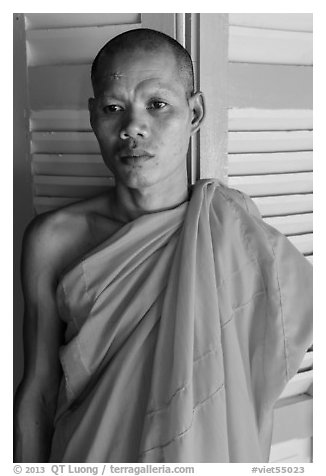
(43, 244)
(53, 240)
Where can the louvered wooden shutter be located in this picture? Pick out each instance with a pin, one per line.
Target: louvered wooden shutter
(270, 126)
(270, 158)
(65, 159)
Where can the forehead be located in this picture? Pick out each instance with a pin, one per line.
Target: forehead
(139, 68)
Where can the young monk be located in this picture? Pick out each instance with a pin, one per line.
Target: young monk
(162, 322)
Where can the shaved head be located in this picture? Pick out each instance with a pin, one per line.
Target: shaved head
(149, 41)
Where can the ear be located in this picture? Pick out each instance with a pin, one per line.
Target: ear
(91, 107)
(197, 105)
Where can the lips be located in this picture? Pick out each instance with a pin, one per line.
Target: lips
(135, 156)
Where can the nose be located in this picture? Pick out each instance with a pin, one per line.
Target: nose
(134, 127)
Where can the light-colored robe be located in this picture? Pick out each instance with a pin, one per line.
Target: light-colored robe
(182, 330)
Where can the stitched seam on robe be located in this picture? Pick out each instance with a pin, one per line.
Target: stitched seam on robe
(185, 386)
(286, 353)
(262, 226)
(241, 306)
(184, 432)
(266, 307)
(225, 281)
(246, 239)
(282, 317)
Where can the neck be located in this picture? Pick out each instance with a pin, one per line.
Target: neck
(129, 204)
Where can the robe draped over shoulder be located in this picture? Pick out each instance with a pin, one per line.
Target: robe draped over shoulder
(182, 330)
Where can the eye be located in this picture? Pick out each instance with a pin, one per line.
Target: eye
(112, 108)
(157, 104)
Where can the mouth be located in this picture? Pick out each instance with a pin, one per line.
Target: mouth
(135, 157)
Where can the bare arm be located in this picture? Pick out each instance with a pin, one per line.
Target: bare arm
(36, 397)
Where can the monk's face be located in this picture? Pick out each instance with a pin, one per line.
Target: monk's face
(142, 117)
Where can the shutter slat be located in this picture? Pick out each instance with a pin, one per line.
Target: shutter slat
(279, 21)
(252, 119)
(60, 86)
(70, 186)
(303, 242)
(292, 224)
(298, 384)
(272, 162)
(265, 86)
(70, 45)
(45, 204)
(292, 451)
(60, 120)
(256, 45)
(307, 361)
(278, 184)
(64, 142)
(274, 141)
(63, 20)
(284, 204)
(292, 418)
(69, 164)
(310, 258)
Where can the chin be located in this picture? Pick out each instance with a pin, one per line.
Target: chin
(137, 179)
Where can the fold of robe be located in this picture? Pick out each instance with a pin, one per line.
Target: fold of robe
(182, 330)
